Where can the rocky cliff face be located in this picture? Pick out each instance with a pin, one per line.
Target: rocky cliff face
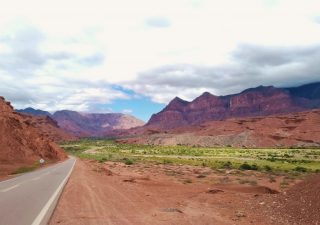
(286, 130)
(21, 142)
(49, 128)
(260, 101)
(94, 124)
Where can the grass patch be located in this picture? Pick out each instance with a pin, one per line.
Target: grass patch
(294, 160)
(25, 169)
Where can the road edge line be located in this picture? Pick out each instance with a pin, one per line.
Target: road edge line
(50, 205)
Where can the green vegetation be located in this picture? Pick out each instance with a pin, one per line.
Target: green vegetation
(293, 160)
(25, 169)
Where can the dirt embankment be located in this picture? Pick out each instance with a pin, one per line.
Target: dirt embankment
(114, 193)
(300, 205)
(22, 144)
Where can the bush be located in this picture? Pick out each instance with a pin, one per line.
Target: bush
(167, 161)
(128, 161)
(246, 166)
(102, 160)
(300, 169)
(227, 165)
(267, 168)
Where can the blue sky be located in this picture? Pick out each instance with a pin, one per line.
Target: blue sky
(135, 56)
(141, 107)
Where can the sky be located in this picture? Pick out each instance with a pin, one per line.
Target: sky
(135, 56)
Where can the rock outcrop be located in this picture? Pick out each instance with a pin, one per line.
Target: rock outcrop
(21, 142)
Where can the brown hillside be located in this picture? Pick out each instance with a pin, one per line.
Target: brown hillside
(22, 144)
(49, 127)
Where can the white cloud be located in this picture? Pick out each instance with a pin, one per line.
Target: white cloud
(55, 48)
(127, 111)
(252, 66)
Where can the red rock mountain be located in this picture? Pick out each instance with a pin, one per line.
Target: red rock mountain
(260, 101)
(49, 127)
(94, 124)
(21, 142)
(300, 129)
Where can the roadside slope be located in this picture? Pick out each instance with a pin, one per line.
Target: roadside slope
(23, 144)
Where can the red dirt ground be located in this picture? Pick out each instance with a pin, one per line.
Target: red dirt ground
(114, 193)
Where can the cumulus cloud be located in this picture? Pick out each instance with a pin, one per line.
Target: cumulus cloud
(157, 22)
(127, 111)
(32, 75)
(56, 56)
(250, 66)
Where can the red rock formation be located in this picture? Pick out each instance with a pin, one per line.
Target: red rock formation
(260, 101)
(49, 128)
(296, 129)
(21, 142)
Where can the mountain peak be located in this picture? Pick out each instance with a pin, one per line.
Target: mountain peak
(257, 101)
(177, 99)
(176, 104)
(206, 93)
(34, 112)
(259, 88)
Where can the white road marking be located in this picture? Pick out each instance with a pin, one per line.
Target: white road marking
(44, 210)
(10, 188)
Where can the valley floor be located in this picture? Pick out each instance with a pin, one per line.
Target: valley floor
(115, 193)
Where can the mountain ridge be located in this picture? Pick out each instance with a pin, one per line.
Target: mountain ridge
(258, 101)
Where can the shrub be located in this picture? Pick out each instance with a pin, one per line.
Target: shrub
(128, 161)
(246, 166)
(167, 161)
(300, 169)
(227, 165)
(102, 160)
(267, 168)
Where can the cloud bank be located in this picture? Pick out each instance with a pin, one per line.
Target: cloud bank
(54, 55)
(250, 66)
(32, 75)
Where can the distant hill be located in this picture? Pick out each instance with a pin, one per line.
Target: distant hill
(85, 124)
(259, 101)
(94, 124)
(32, 111)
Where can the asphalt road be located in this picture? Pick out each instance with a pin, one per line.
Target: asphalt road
(29, 199)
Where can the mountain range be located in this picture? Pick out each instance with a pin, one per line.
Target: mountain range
(259, 101)
(241, 119)
(86, 124)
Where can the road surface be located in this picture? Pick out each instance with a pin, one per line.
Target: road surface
(29, 199)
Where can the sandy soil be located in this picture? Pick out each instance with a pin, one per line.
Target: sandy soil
(114, 193)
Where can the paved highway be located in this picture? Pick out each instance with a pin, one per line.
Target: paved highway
(30, 199)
